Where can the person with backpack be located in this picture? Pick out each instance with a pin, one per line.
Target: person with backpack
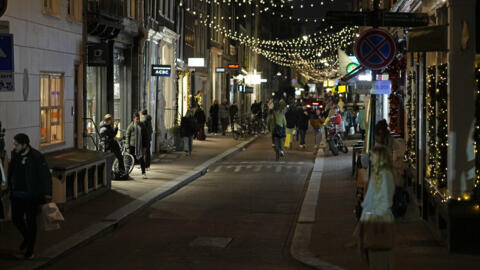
(277, 126)
(316, 123)
(187, 130)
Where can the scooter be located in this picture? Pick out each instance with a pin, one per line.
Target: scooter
(334, 139)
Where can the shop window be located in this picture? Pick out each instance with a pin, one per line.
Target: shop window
(51, 108)
(51, 7)
(74, 10)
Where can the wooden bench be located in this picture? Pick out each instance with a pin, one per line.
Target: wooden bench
(78, 175)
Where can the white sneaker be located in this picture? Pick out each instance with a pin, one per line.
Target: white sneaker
(282, 153)
(144, 175)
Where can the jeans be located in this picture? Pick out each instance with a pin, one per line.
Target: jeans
(24, 217)
(138, 160)
(187, 144)
(279, 142)
(317, 133)
(302, 132)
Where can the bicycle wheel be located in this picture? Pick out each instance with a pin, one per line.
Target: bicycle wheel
(128, 161)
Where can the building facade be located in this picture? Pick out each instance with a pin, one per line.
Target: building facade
(47, 40)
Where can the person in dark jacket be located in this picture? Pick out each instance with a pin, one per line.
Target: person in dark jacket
(137, 141)
(30, 185)
(108, 137)
(214, 116)
(200, 118)
(147, 122)
(291, 117)
(302, 124)
(233, 115)
(187, 130)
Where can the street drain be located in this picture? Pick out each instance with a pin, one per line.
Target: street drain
(217, 242)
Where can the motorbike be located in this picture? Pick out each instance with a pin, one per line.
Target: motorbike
(334, 139)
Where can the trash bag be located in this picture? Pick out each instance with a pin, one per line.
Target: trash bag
(51, 216)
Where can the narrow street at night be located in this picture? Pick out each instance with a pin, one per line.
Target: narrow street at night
(240, 215)
(239, 134)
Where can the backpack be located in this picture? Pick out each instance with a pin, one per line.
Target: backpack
(401, 199)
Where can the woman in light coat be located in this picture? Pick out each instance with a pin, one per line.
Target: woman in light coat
(378, 202)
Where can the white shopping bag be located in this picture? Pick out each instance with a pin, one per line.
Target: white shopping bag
(51, 217)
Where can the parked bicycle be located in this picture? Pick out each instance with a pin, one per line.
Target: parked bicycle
(242, 129)
(128, 159)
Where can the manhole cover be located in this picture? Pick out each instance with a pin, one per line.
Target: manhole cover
(218, 242)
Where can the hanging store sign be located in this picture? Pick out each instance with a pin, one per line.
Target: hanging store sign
(161, 70)
(234, 66)
(220, 70)
(249, 90)
(98, 54)
(351, 67)
(196, 62)
(363, 87)
(382, 88)
(373, 88)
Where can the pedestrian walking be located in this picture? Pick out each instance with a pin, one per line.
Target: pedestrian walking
(277, 126)
(137, 141)
(291, 118)
(302, 123)
(347, 121)
(147, 122)
(224, 114)
(214, 116)
(30, 185)
(200, 120)
(316, 123)
(376, 233)
(108, 136)
(233, 115)
(187, 130)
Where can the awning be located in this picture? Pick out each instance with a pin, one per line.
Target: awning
(427, 39)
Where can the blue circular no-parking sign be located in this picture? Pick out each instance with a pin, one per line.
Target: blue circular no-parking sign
(375, 49)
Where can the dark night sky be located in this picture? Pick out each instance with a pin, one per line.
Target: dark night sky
(320, 12)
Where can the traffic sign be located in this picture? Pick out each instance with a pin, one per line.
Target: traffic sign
(375, 49)
(6, 62)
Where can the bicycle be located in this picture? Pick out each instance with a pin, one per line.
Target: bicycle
(128, 159)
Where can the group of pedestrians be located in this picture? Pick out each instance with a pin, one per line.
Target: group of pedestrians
(138, 139)
(223, 114)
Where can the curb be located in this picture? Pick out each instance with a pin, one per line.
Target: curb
(120, 216)
(300, 248)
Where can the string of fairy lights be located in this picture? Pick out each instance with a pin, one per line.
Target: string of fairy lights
(307, 53)
(476, 141)
(274, 8)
